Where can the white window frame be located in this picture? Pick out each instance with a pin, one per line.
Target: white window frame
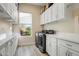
(26, 24)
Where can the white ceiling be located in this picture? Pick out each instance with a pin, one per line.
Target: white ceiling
(38, 4)
(35, 4)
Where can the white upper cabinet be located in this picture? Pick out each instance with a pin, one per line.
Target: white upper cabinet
(48, 15)
(9, 11)
(15, 13)
(42, 19)
(58, 11)
(3, 12)
(54, 12)
(64, 12)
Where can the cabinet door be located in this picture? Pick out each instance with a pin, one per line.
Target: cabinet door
(15, 12)
(14, 46)
(46, 16)
(50, 14)
(62, 51)
(51, 45)
(48, 45)
(0, 53)
(10, 49)
(72, 53)
(54, 12)
(42, 18)
(60, 11)
(3, 51)
(9, 10)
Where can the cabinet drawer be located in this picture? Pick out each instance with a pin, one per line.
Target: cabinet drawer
(69, 44)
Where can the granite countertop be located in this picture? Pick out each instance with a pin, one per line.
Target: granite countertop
(74, 37)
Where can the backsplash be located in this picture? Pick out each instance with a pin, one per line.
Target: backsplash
(62, 26)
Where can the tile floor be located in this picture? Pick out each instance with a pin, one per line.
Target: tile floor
(30, 50)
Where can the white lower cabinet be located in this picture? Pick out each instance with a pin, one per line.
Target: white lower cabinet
(9, 48)
(51, 45)
(61, 47)
(62, 51)
(66, 48)
(48, 46)
(3, 51)
(72, 53)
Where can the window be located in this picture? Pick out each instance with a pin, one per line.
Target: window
(25, 24)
